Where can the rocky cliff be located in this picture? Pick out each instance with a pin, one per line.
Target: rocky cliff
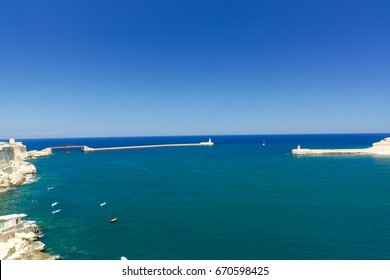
(22, 243)
(14, 170)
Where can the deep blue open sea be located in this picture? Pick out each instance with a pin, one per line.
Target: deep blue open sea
(235, 200)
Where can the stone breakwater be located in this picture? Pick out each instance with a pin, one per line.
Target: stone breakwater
(88, 149)
(14, 170)
(381, 148)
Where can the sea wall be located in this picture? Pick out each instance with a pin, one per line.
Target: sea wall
(88, 149)
(381, 148)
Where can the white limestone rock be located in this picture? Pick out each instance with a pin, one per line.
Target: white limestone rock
(16, 179)
(34, 153)
(15, 173)
(4, 180)
(381, 148)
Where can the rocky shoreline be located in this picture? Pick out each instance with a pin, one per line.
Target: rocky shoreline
(14, 169)
(15, 173)
(22, 243)
(19, 241)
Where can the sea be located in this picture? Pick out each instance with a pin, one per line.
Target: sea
(245, 198)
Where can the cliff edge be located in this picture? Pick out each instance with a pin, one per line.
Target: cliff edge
(14, 170)
(19, 240)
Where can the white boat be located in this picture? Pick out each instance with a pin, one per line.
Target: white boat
(102, 204)
(56, 211)
(123, 258)
(54, 204)
(49, 189)
(263, 143)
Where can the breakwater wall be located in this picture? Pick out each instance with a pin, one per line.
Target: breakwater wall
(381, 148)
(330, 151)
(88, 149)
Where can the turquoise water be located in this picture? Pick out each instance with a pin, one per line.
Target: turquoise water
(235, 200)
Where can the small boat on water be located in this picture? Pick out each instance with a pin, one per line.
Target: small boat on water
(102, 204)
(263, 143)
(49, 189)
(113, 220)
(123, 258)
(54, 204)
(56, 211)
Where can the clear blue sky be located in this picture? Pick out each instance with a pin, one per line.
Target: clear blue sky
(123, 68)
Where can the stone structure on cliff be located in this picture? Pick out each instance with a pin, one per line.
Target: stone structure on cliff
(20, 239)
(14, 170)
(11, 151)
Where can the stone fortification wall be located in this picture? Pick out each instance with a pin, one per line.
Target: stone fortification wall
(6, 155)
(11, 151)
(19, 150)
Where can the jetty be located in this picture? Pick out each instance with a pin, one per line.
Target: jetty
(88, 149)
(381, 148)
